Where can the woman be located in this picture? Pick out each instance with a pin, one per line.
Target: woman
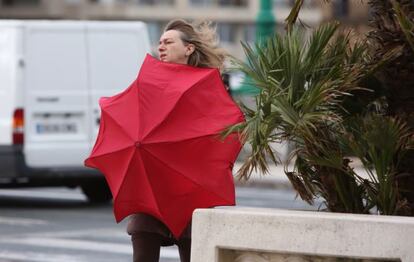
(181, 43)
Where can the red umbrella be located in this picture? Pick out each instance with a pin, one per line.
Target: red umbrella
(158, 144)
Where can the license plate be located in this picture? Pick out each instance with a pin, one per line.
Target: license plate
(58, 128)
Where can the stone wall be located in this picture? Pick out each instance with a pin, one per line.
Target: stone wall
(257, 234)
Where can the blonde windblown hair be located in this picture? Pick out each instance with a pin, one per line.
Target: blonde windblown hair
(204, 37)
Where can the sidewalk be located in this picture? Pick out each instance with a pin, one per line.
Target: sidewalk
(276, 177)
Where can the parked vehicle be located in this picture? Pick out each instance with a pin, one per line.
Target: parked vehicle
(52, 74)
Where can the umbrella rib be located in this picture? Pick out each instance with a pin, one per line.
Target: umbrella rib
(170, 167)
(123, 180)
(175, 105)
(124, 174)
(149, 182)
(113, 152)
(213, 134)
(122, 129)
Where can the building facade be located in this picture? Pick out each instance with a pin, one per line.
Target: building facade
(235, 19)
(354, 14)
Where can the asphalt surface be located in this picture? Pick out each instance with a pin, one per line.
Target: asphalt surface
(57, 224)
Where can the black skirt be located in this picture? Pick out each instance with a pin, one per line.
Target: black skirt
(142, 222)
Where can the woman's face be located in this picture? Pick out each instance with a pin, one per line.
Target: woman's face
(172, 49)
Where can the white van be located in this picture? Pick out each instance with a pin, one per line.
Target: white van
(52, 74)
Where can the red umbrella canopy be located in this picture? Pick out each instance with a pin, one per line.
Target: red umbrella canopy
(158, 144)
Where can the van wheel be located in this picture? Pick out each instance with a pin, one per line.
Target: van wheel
(97, 192)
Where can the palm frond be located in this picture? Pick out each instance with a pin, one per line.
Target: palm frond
(293, 15)
(407, 25)
(380, 142)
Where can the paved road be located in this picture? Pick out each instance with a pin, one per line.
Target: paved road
(51, 224)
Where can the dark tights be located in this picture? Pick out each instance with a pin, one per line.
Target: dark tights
(146, 247)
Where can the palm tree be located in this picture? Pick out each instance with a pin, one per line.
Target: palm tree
(302, 86)
(319, 94)
(393, 29)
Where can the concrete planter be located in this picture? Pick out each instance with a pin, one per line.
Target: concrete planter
(261, 235)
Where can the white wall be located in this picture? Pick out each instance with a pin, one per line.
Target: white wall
(226, 234)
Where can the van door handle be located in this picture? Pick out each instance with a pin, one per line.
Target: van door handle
(21, 62)
(48, 99)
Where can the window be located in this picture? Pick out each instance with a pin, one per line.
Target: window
(340, 8)
(201, 2)
(72, 2)
(226, 32)
(156, 2)
(289, 3)
(219, 3)
(108, 2)
(282, 3)
(249, 33)
(232, 2)
(20, 2)
(154, 31)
